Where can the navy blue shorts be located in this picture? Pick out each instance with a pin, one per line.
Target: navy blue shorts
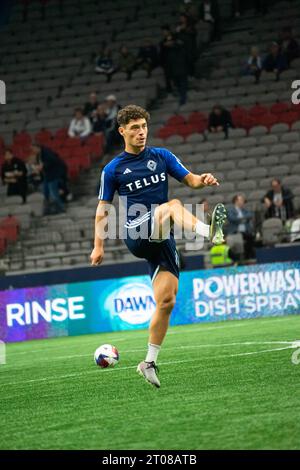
(156, 253)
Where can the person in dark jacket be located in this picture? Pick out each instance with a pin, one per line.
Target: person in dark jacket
(147, 56)
(54, 172)
(177, 65)
(289, 46)
(210, 13)
(275, 61)
(99, 119)
(163, 56)
(14, 175)
(220, 120)
(279, 201)
(91, 106)
(186, 32)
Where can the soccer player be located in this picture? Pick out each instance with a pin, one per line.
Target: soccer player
(140, 174)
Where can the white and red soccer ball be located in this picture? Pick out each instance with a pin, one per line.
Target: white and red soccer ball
(106, 356)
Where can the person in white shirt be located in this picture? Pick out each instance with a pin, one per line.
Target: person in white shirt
(254, 63)
(80, 125)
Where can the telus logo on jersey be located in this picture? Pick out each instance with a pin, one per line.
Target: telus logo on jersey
(142, 183)
(134, 303)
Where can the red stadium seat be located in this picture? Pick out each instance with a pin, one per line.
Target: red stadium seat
(257, 111)
(246, 122)
(22, 138)
(279, 108)
(267, 120)
(43, 137)
(295, 108)
(10, 227)
(64, 153)
(238, 113)
(21, 151)
(175, 120)
(186, 129)
(72, 142)
(73, 169)
(61, 133)
(289, 118)
(95, 145)
(166, 132)
(82, 156)
(3, 242)
(2, 146)
(199, 121)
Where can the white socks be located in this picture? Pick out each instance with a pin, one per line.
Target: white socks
(202, 229)
(153, 350)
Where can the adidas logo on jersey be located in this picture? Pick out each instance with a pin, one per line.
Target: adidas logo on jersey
(126, 171)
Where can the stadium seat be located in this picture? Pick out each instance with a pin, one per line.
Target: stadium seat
(271, 231)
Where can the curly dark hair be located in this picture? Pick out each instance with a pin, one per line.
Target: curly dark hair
(132, 112)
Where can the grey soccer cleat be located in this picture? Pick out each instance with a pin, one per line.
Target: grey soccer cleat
(148, 371)
(218, 219)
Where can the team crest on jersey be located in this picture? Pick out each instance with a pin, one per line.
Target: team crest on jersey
(151, 165)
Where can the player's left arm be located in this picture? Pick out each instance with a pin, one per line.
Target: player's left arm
(199, 181)
(176, 169)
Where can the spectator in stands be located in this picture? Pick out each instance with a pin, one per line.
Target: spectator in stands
(177, 65)
(112, 135)
(14, 175)
(91, 106)
(99, 119)
(186, 32)
(220, 120)
(254, 64)
(80, 125)
(191, 9)
(127, 62)
(275, 61)
(210, 13)
(147, 56)
(240, 220)
(104, 64)
(206, 215)
(163, 56)
(54, 172)
(289, 46)
(279, 201)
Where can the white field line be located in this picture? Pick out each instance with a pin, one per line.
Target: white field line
(293, 345)
(171, 348)
(142, 334)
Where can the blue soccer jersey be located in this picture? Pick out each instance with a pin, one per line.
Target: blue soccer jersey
(142, 178)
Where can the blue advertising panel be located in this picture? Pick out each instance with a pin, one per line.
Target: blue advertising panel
(128, 303)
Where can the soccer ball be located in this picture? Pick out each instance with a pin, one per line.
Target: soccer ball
(106, 356)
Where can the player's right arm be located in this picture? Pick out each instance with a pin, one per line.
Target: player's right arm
(102, 213)
(108, 187)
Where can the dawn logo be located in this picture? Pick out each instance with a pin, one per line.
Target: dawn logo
(133, 303)
(151, 165)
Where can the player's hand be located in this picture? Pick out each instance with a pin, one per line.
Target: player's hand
(97, 256)
(209, 180)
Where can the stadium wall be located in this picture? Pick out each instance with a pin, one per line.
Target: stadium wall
(127, 303)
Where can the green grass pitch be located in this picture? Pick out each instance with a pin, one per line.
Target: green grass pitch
(229, 385)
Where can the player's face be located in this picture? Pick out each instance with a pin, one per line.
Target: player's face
(135, 133)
